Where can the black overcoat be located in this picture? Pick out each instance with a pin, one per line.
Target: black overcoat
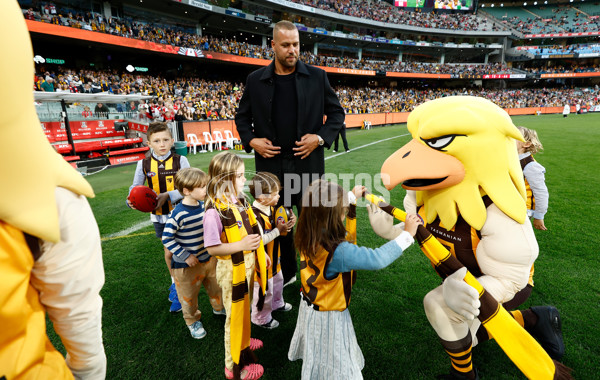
(316, 99)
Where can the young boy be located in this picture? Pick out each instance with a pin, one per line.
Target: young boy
(191, 266)
(265, 188)
(159, 171)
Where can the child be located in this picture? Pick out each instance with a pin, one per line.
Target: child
(159, 170)
(324, 337)
(537, 192)
(191, 265)
(231, 234)
(265, 188)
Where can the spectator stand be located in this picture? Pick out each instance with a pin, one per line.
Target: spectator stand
(91, 141)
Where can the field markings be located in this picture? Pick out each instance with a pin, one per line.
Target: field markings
(366, 145)
(126, 232)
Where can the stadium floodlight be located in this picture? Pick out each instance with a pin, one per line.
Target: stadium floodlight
(535, 3)
(492, 5)
(525, 4)
(501, 5)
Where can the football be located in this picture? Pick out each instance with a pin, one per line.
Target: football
(143, 198)
(283, 214)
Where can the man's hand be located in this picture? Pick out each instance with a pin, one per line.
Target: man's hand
(264, 147)
(161, 199)
(306, 145)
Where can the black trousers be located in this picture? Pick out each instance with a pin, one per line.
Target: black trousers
(343, 134)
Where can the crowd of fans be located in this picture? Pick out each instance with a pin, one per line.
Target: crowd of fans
(563, 20)
(200, 99)
(382, 11)
(178, 99)
(208, 43)
(559, 69)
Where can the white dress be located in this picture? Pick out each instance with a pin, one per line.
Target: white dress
(326, 342)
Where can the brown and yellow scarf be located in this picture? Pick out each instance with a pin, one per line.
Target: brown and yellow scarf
(235, 227)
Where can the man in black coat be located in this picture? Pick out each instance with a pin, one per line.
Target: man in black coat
(280, 116)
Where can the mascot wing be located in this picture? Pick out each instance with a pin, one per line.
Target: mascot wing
(31, 169)
(463, 148)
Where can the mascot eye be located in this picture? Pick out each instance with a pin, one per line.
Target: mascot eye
(440, 143)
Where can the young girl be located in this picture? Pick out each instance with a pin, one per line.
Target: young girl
(537, 192)
(324, 338)
(231, 234)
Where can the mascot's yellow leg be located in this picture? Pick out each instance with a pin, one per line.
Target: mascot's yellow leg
(519, 346)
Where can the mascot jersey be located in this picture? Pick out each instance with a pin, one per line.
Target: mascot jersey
(160, 176)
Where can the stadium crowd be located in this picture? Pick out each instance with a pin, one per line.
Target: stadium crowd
(178, 37)
(562, 20)
(382, 11)
(200, 99)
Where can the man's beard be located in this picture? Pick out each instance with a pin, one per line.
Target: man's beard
(283, 61)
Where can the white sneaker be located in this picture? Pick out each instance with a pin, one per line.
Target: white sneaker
(197, 330)
(335, 151)
(286, 307)
(290, 281)
(220, 312)
(272, 324)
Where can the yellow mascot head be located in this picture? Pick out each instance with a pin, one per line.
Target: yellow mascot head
(463, 148)
(30, 169)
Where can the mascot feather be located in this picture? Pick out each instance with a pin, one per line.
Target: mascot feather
(50, 255)
(463, 175)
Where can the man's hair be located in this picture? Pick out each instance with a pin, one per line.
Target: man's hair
(264, 183)
(285, 25)
(190, 178)
(157, 126)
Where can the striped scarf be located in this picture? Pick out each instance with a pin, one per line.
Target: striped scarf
(240, 302)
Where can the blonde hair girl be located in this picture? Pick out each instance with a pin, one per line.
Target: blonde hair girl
(232, 235)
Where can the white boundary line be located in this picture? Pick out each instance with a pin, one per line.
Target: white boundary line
(366, 145)
(129, 230)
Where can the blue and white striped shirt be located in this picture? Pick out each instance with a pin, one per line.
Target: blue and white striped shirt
(184, 234)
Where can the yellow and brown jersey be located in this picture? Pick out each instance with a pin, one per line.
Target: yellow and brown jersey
(160, 176)
(530, 201)
(461, 241)
(322, 293)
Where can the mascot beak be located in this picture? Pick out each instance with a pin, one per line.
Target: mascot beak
(418, 167)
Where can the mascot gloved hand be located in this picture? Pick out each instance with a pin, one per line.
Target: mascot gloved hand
(383, 223)
(461, 297)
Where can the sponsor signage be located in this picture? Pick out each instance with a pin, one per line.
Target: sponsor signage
(571, 75)
(582, 34)
(198, 4)
(504, 76)
(290, 4)
(381, 39)
(55, 61)
(263, 19)
(338, 34)
(320, 31)
(588, 55)
(190, 52)
(235, 12)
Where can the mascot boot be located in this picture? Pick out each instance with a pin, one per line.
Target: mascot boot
(466, 182)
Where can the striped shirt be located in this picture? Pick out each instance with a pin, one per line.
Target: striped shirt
(184, 234)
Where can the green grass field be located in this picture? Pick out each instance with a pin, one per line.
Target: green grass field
(143, 340)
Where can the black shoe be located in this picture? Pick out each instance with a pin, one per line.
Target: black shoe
(455, 375)
(548, 331)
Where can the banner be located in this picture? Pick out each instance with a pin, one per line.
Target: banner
(571, 75)
(87, 129)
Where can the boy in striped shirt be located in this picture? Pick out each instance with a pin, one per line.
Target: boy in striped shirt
(191, 266)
